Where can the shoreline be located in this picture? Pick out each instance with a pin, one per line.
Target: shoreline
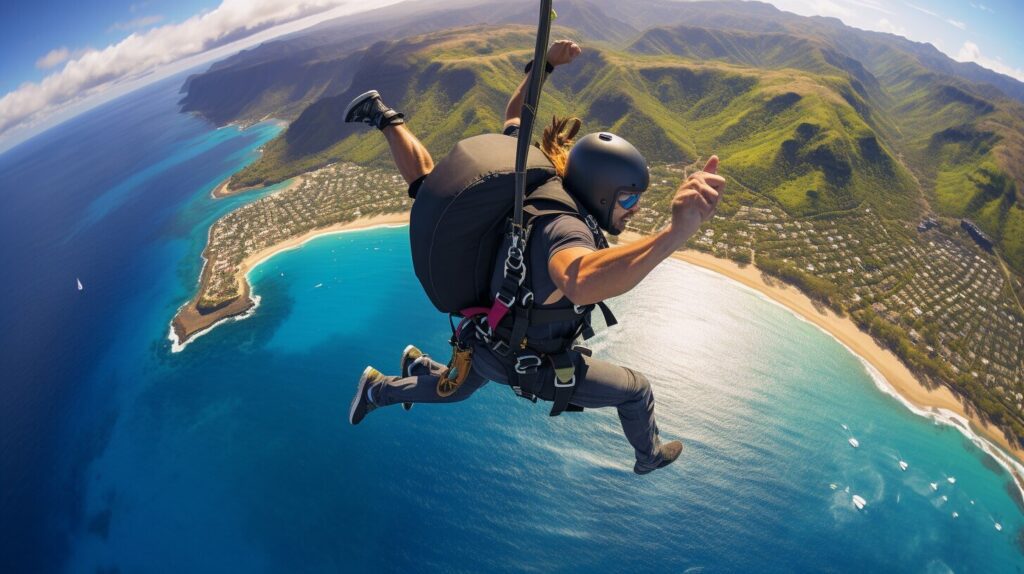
(221, 191)
(940, 403)
(189, 323)
(890, 375)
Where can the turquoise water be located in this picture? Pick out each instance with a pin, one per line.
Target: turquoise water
(235, 455)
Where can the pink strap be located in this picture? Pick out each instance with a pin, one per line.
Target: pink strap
(496, 314)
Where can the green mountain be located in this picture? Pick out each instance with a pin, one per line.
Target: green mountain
(818, 116)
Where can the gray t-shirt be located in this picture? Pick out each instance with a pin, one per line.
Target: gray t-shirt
(550, 235)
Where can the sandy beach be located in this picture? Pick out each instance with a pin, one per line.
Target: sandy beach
(189, 322)
(222, 191)
(847, 332)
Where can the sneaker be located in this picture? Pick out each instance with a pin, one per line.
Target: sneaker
(669, 453)
(409, 357)
(361, 403)
(368, 108)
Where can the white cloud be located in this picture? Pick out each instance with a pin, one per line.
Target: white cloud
(137, 23)
(970, 52)
(982, 7)
(886, 26)
(140, 54)
(956, 23)
(922, 10)
(54, 58)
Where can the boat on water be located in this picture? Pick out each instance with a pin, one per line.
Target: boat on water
(854, 442)
(935, 486)
(955, 514)
(318, 285)
(79, 281)
(859, 502)
(951, 479)
(999, 527)
(903, 465)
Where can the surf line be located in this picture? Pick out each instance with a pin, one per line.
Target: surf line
(178, 346)
(935, 414)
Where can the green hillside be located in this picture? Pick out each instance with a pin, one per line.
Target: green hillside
(793, 135)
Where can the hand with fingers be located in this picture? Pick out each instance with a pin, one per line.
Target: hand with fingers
(696, 201)
(563, 52)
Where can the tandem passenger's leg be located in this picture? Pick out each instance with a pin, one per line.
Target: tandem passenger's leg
(411, 157)
(378, 390)
(603, 384)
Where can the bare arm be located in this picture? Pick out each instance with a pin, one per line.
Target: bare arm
(587, 276)
(561, 52)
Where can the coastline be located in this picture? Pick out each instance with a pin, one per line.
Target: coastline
(221, 191)
(189, 323)
(938, 403)
(890, 374)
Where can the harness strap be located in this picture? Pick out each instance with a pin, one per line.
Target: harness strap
(565, 381)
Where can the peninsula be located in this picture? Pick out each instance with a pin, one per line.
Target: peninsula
(330, 199)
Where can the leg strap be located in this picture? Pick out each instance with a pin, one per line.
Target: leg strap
(565, 381)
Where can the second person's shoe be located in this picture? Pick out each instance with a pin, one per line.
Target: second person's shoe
(362, 404)
(368, 108)
(670, 451)
(409, 356)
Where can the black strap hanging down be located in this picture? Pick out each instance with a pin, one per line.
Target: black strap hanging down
(565, 381)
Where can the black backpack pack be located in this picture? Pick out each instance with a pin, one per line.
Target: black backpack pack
(461, 213)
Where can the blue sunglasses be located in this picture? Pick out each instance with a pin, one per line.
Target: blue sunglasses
(628, 200)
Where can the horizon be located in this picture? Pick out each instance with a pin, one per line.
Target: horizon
(56, 75)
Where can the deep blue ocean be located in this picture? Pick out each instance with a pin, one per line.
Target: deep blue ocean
(235, 455)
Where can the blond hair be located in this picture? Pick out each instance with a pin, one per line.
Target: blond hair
(558, 140)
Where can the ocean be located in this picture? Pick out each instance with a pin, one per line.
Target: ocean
(235, 455)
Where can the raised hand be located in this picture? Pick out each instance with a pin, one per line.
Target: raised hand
(695, 201)
(563, 52)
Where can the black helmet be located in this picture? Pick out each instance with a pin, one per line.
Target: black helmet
(599, 167)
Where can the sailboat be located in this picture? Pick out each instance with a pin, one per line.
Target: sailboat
(79, 281)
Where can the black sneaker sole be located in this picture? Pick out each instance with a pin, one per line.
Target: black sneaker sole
(358, 100)
(360, 393)
(401, 369)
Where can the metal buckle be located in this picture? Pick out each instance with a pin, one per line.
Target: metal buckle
(534, 362)
(561, 385)
(527, 298)
(505, 300)
(501, 347)
(579, 309)
(482, 333)
(518, 270)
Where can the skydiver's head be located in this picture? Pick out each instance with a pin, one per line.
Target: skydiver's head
(602, 171)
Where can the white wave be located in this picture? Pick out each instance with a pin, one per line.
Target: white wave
(937, 415)
(177, 346)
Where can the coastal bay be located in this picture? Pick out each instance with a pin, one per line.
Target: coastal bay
(189, 322)
(843, 329)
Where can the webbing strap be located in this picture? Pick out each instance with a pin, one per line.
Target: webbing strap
(529, 110)
(565, 381)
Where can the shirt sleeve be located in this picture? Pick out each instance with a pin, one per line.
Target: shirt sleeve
(565, 231)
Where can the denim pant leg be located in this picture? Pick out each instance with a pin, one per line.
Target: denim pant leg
(603, 384)
(421, 386)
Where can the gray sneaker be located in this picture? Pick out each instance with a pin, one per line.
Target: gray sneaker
(409, 356)
(670, 451)
(368, 108)
(361, 403)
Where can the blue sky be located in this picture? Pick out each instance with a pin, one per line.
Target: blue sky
(29, 30)
(61, 57)
(987, 32)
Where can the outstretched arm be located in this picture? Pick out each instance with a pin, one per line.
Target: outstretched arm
(587, 276)
(561, 52)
